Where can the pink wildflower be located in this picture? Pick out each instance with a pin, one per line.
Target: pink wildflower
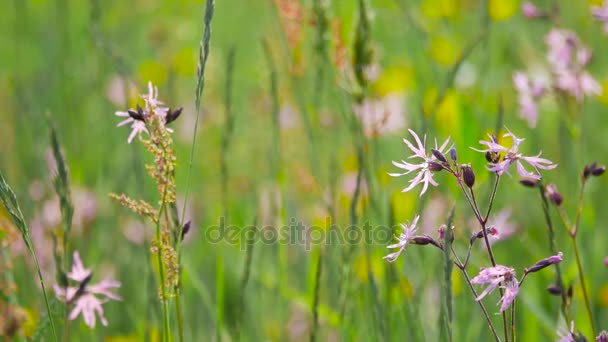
(425, 174)
(404, 239)
(529, 10)
(84, 296)
(529, 93)
(568, 58)
(512, 155)
(493, 276)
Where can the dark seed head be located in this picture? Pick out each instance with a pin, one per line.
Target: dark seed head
(468, 176)
(439, 155)
(137, 115)
(172, 116)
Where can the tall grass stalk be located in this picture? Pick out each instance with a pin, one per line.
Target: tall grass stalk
(200, 85)
(62, 188)
(249, 244)
(9, 200)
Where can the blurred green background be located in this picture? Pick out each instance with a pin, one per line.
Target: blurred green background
(80, 61)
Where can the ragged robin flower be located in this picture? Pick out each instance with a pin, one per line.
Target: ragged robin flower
(404, 238)
(84, 297)
(426, 166)
(139, 118)
(493, 276)
(512, 155)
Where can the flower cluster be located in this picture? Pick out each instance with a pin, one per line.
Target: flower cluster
(500, 159)
(568, 58)
(84, 297)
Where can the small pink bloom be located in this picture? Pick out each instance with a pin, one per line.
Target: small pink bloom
(425, 175)
(600, 13)
(404, 239)
(512, 155)
(529, 92)
(529, 10)
(84, 296)
(493, 276)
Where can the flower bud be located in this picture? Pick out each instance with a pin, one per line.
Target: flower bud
(468, 176)
(552, 260)
(434, 166)
(553, 195)
(453, 154)
(439, 155)
(554, 290)
(186, 229)
(593, 170)
(425, 240)
(528, 182)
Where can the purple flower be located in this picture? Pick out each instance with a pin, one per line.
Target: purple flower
(404, 239)
(512, 155)
(493, 276)
(425, 175)
(84, 296)
(602, 337)
(600, 13)
(529, 93)
(568, 58)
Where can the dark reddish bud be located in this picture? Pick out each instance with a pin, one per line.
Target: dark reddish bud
(439, 155)
(453, 154)
(529, 182)
(569, 292)
(552, 260)
(553, 195)
(468, 176)
(593, 170)
(425, 240)
(554, 290)
(434, 166)
(186, 229)
(172, 116)
(479, 235)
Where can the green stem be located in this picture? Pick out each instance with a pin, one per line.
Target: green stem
(553, 250)
(581, 275)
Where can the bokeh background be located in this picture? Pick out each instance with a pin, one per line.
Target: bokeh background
(74, 63)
